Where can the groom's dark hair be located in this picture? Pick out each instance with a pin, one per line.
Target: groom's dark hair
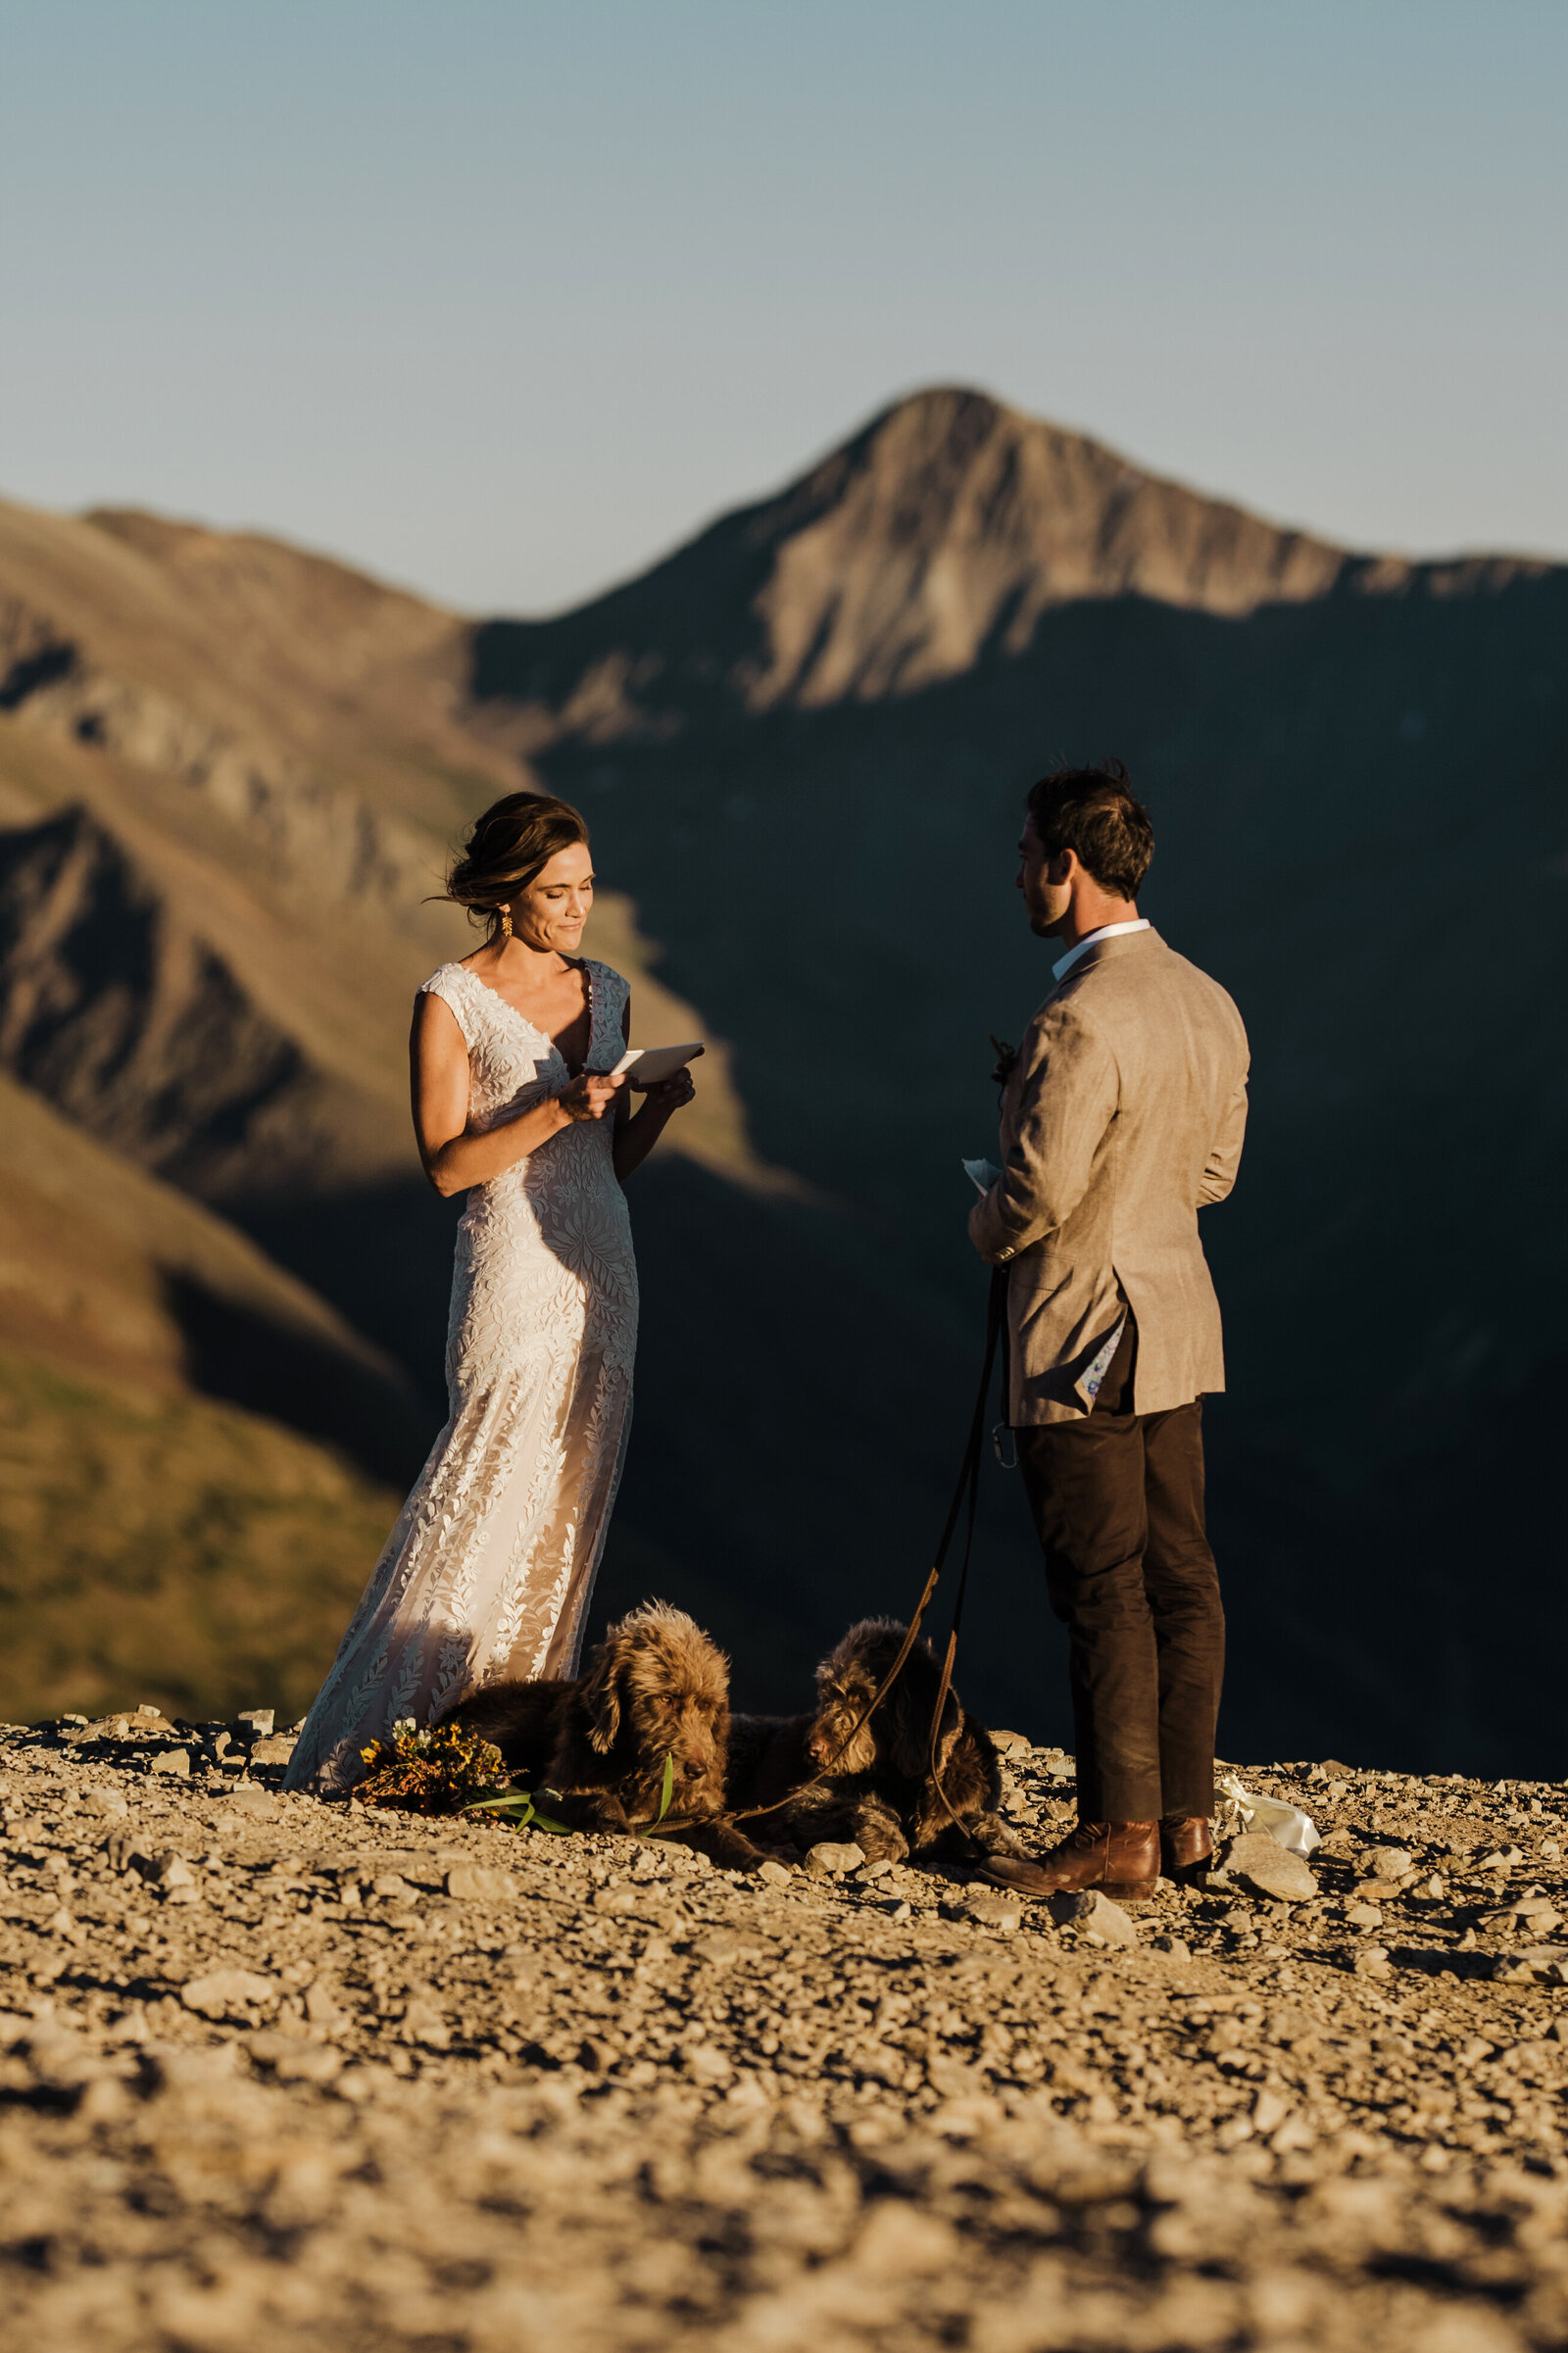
(1092, 811)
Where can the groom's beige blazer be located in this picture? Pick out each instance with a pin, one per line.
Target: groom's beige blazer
(1122, 1116)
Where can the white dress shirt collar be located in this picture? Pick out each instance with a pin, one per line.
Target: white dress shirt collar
(1108, 931)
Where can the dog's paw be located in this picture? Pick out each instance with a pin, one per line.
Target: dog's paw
(879, 1842)
(992, 1837)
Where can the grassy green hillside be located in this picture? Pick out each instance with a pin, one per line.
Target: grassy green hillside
(171, 1550)
(185, 1512)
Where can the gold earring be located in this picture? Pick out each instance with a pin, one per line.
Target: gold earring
(506, 922)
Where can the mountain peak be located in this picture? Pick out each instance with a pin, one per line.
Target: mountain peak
(935, 534)
(950, 522)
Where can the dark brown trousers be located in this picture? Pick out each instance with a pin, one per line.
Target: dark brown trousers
(1118, 1505)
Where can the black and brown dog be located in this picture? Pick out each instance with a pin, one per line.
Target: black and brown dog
(655, 1686)
(881, 1794)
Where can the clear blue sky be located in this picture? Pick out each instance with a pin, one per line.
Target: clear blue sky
(501, 298)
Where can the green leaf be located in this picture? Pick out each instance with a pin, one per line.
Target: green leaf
(668, 1788)
(515, 1812)
(521, 1812)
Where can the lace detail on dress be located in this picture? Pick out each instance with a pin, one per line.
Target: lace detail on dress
(490, 1568)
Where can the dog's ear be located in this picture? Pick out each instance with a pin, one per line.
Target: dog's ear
(601, 1698)
(911, 1729)
(907, 1731)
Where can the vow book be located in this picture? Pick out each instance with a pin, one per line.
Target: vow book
(648, 1065)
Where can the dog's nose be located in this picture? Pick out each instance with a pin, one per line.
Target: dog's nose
(692, 1771)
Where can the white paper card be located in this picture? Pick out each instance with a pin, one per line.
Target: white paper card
(648, 1065)
(982, 1174)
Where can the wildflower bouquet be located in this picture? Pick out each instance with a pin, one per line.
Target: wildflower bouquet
(439, 1772)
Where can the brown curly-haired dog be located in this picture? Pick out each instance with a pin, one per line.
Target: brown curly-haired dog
(881, 1795)
(655, 1686)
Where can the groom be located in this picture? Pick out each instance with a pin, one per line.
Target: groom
(1121, 1117)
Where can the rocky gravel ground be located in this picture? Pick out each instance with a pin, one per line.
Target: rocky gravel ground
(275, 2071)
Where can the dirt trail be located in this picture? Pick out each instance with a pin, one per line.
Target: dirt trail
(275, 2072)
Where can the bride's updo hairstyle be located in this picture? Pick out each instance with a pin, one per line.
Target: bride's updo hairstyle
(512, 843)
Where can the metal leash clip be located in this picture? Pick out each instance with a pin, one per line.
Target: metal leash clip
(1004, 1445)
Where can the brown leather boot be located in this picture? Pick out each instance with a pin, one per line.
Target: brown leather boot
(1119, 1858)
(1186, 1845)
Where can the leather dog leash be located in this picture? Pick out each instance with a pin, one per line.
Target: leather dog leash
(965, 1494)
(969, 1486)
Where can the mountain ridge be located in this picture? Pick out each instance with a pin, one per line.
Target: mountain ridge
(276, 744)
(815, 797)
(934, 539)
(1342, 782)
(157, 926)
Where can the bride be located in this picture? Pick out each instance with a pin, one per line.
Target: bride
(489, 1569)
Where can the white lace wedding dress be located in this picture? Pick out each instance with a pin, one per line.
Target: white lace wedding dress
(489, 1570)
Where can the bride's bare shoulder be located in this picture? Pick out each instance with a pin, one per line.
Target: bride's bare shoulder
(440, 1001)
(445, 981)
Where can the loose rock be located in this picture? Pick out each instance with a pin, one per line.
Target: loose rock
(1094, 1914)
(992, 1909)
(471, 1882)
(828, 1861)
(1265, 1868)
(230, 1993)
(1542, 1964)
(295, 2093)
(258, 1804)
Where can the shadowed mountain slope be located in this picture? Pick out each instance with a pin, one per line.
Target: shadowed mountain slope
(273, 752)
(1359, 778)
(929, 546)
(138, 1026)
(196, 979)
(109, 1274)
(803, 741)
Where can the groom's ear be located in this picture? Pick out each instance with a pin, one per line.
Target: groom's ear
(601, 1698)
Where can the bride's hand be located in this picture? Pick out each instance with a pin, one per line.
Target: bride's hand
(590, 1095)
(672, 1093)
